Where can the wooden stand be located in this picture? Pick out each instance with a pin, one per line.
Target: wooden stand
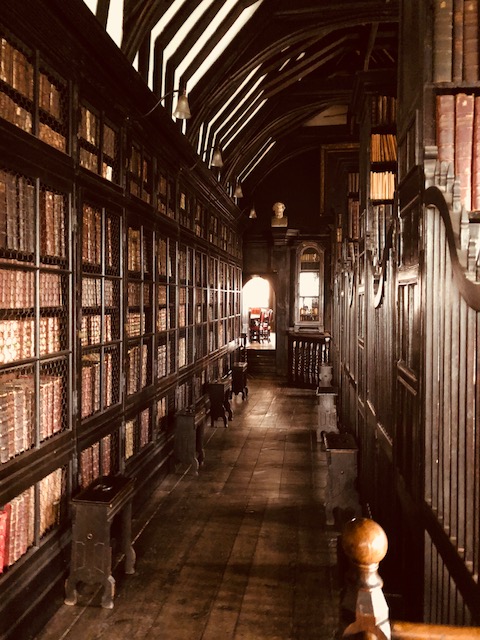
(91, 558)
(219, 393)
(239, 379)
(327, 411)
(188, 441)
(342, 501)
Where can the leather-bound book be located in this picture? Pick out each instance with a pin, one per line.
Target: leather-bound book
(464, 107)
(446, 128)
(458, 29)
(476, 157)
(470, 40)
(442, 49)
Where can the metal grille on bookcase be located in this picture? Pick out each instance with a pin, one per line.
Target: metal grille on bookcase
(52, 496)
(19, 86)
(34, 308)
(53, 109)
(98, 144)
(161, 418)
(100, 459)
(17, 83)
(100, 321)
(138, 432)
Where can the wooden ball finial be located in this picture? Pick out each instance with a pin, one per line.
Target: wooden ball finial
(364, 541)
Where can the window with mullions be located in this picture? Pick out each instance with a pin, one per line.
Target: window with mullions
(309, 299)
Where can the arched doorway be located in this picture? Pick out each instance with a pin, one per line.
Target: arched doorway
(258, 313)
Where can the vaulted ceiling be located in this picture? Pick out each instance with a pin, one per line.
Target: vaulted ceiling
(267, 80)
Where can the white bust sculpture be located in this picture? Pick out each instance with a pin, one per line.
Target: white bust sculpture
(279, 220)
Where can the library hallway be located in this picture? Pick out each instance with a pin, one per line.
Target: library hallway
(240, 551)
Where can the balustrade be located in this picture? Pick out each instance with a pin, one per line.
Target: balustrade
(365, 611)
(307, 353)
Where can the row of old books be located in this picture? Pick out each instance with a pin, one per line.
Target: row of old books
(383, 111)
(17, 213)
(134, 294)
(458, 142)
(383, 147)
(91, 332)
(162, 319)
(137, 433)
(353, 218)
(91, 382)
(96, 460)
(144, 420)
(182, 352)
(92, 238)
(50, 97)
(135, 324)
(17, 289)
(162, 361)
(50, 496)
(17, 416)
(15, 69)
(129, 439)
(183, 396)
(17, 528)
(51, 136)
(15, 113)
(200, 346)
(89, 126)
(17, 338)
(91, 235)
(136, 378)
(182, 315)
(455, 41)
(138, 430)
(382, 185)
(382, 215)
(88, 159)
(17, 217)
(52, 221)
(353, 182)
(134, 252)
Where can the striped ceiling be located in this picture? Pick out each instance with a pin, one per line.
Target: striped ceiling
(266, 79)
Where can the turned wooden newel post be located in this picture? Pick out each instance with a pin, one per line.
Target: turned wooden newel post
(365, 545)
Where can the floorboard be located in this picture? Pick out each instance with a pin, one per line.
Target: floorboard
(239, 552)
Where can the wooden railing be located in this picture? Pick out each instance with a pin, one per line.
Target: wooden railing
(307, 352)
(364, 607)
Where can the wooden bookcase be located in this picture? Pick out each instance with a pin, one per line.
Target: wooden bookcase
(120, 285)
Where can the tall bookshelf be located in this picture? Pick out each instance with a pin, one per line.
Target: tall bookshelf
(120, 286)
(35, 361)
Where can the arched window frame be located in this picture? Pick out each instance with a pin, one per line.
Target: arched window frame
(305, 322)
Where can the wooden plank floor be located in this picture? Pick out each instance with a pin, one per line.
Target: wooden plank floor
(240, 551)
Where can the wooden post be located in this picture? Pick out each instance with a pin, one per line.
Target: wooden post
(365, 544)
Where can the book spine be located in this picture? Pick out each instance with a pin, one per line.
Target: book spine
(458, 44)
(464, 111)
(7, 509)
(443, 33)
(476, 157)
(446, 128)
(470, 41)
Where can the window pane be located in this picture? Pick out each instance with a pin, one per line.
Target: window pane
(309, 283)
